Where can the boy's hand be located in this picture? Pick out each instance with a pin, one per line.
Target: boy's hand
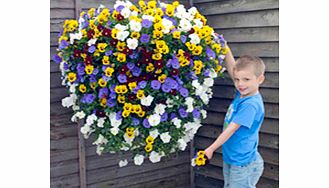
(209, 152)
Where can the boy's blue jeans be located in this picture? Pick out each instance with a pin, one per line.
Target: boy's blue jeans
(243, 176)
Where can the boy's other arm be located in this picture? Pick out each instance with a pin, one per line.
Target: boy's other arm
(222, 138)
(230, 62)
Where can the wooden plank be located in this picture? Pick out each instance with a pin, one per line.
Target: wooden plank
(57, 133)
(57, 109)
(261, 18)
(114, 172)
(54, 39)
(265, 140)
(57, 94)
(254, 34)
(270, 155)
(266, 49)
(53, 51)
(60, 120)
(87, 4)
(71, 180)
(168, 177)
(64, 143)
(271, 80)
(63, 168)
(55, 80)
(62, 13)
(54, 67)
(204, 1)
(56, 25)
(233, 6)
(221, 105)
(61, 4)
(227, 92)
(58, 156)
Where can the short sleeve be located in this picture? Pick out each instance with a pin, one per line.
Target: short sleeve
(245, 115)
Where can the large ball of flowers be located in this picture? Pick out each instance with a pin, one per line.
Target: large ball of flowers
(140, 76)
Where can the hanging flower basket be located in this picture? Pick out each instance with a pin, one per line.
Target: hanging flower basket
(140, 76)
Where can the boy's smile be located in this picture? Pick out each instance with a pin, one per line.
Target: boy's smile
(246, 82)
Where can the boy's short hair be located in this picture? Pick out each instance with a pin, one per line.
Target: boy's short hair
(251, 61)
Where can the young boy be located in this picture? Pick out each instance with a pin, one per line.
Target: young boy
(242, 165)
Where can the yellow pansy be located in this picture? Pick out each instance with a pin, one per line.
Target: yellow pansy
(184, 63)
(130, 129)
(121, 46)
(170, 10)
(125, 113)
(91, 12)
(197, 50)
(190, 46)
(102, 82)
(159, 12)
(101, 47)
(127, 107)
(157, 34)
(159, 71)
(200, 161)
(83, 55)
(156, 56)
(106, 60)
(218, 68)
(135, 35)
(150, 67)
(137, 108)
(121, 99)
(103, 102)
(149, 140)
(114, 33)
(158, 27)
(148, 148)
(157, 19)
(141, 114)
(92, 24)
(89, 69)
(82, 88)
(140, 94)
(71, 77)
(175, 4)
(151, 4)
(93, 85)
(142, 4)
(162, 78)
(121, 57)
(132, 85)
(198, 64)
(115, 14)
(108, 71)
(176, 35)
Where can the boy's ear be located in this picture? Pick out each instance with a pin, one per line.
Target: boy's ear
(261, 79)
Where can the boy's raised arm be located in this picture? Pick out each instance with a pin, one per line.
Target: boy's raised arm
(230, 62)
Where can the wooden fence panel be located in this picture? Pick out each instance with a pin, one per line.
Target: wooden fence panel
(250, 27)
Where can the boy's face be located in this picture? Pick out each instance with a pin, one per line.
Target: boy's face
(246, 82)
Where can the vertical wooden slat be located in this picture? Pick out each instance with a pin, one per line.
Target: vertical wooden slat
(82, 157)
(192, 173)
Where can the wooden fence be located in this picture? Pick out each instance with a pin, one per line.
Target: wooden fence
(251, 27)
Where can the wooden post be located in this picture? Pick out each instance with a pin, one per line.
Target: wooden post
(191, 167)
(82, 157)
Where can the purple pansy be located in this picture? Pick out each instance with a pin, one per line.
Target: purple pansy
(135, 121)
(183, 91)
(182, 112)
(145, 38)
(111, 102)
(183, 38)
(92, 49)
(146, 23)
(146, 123)
(196, 113)
(142, 84)
(210, 53)
(119, 115)
(166, 87)
(155, 84)
(136, 71)
(57, 58)
(164, 117)
(81, 69)
(130, 65)
(108, 53)
(63, 44)
(122, 78)
(103, 92)
(87, 98)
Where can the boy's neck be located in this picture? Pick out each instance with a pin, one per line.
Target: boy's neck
(249, 95)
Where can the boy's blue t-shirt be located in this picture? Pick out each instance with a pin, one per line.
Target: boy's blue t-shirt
(241, 148)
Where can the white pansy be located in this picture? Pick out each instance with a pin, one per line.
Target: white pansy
(204, 97)
(192, 11)
(195, 83)
(167, 25)
(114, 121)
(198, 23)
(132, 43)
(90, 119)
(75, 36)
(184, 25)
(86, 130)
(146, 101)
(154, 133)
(181, 144)
(209, 82)
(92, 41)
(73, 87)
(69, 101)
(189, 102)
(163, 5)
(193, 162)
(165, 137)
(204, 114)
(138, 159)
(114, 130)
(124, 148)
(160, 109)
(135, 25)
(154, 119)
(155, 157)
(118, 3)
(122, 35)
(121, 27)
(148, 17)
(125, 12)
(100, 122)
(194, 38)
(81, 20)
(99, 150)
(79, 115)
(177, 122)
(128, 139)
(123, 163)
(100, 140)
(75, 107)
(170, 103)
(134, 13)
